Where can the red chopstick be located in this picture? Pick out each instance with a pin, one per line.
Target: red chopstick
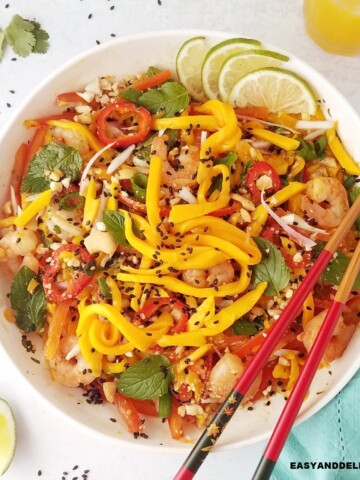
(217, 425)
(301, 387)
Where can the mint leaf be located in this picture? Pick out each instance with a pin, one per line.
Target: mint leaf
(49, 157)
(29, 308)
(115, 224)
(41, 37)
(131, 95)
(151, 71)
(244, 326)
(169, 98)
(19, 34)
(271, 269)
(146, 379)
(335, 270)
(2, 38)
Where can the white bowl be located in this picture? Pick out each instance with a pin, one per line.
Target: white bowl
(124, 57)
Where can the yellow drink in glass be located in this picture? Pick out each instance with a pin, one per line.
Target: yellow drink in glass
(334, 25)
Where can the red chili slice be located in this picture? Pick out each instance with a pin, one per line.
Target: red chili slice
(153, 305)
(123, 123)
(80, 278)
(258, 170)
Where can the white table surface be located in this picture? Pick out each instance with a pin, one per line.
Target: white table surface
(45, 441)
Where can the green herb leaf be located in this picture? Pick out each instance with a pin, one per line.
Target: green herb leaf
(146, 379)
(229, 161)
(306, 151)
(151, 71)
(19, 34)
(271, 269)
(49, 157)
(169, 98)
(335, 270)
(143, 149)
(353, 195)
(244, 326)
(2, 44)
(29, 308)
(72, 202)
(41, 37)
(131, 95)
(349, 182)
(320, 145)
(115, 224)
(139, 183)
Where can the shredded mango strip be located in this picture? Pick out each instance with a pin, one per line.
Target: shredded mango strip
(340, 153)
(153, 196)
(85, 132)
(93, 358)
(260, 215)
(91, 205)
(29, 212)
(276, 139)
(222, 229)
(176, 285)
(115, 293)
(203, 122)
(187, 339)
(192, 357)
(114, 367)
(205, 311)
(112, 203)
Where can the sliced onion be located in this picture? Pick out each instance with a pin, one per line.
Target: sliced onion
(14, 204)
(203, 136)
(314, 124)
(259, 144)
(314, 134)
(90, 164)
(292, 218)
(303, 241)
(120, 159)
(186, 195)
(73, 352)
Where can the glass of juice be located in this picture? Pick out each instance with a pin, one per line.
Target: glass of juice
(334, 25)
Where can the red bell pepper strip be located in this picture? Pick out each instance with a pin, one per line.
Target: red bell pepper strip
(152, 81)
(123, 123)
(153, 305)
(80, 278)
(18, 171)
(255, 172)
(145, 407)
(256, 112)
(289, 259)
(65, 98)
(128, 413)
(222, 212)
(175, 421)
(139, 206)
(36, 143)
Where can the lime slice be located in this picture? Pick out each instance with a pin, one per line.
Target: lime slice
(7, 436)
(215, 58)
(242, 63)
(188, 66)
(278, 89)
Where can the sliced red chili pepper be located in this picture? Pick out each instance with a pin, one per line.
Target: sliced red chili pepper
(222, 212)
(123, 123)
(139, 206)
(153, 305)
(80, 278)
(255, 172)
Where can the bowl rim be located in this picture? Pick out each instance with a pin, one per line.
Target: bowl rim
(221, 35)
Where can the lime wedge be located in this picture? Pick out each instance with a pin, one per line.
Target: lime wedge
(188, 66)
(278, 89)
(242, 63)
(215, 58)
(7, 436)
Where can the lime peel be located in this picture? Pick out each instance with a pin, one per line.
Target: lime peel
(188, 66)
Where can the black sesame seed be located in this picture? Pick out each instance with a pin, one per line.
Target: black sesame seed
(98, 43)
(39, 473)
(90, 16)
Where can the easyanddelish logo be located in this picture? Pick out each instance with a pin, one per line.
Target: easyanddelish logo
(325, 465)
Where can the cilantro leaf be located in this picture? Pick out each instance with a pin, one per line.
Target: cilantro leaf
(169, 98)
(42, 37)
(271, 269)
(49, 157)
(19, 34)
(115, 224)
(146, 379)
(2, 38)
(29, 308)
(335, 270)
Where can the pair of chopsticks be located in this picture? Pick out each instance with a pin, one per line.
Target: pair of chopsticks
(217, 425)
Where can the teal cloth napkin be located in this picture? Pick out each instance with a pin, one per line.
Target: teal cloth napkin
(332, 435)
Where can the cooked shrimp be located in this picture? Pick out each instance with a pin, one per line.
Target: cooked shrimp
(182, 169)
(217, 275)
(339, 341)
(71, 139)
(73, 372)
(325, 201)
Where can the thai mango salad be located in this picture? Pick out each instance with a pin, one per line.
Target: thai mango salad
(153, 241)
